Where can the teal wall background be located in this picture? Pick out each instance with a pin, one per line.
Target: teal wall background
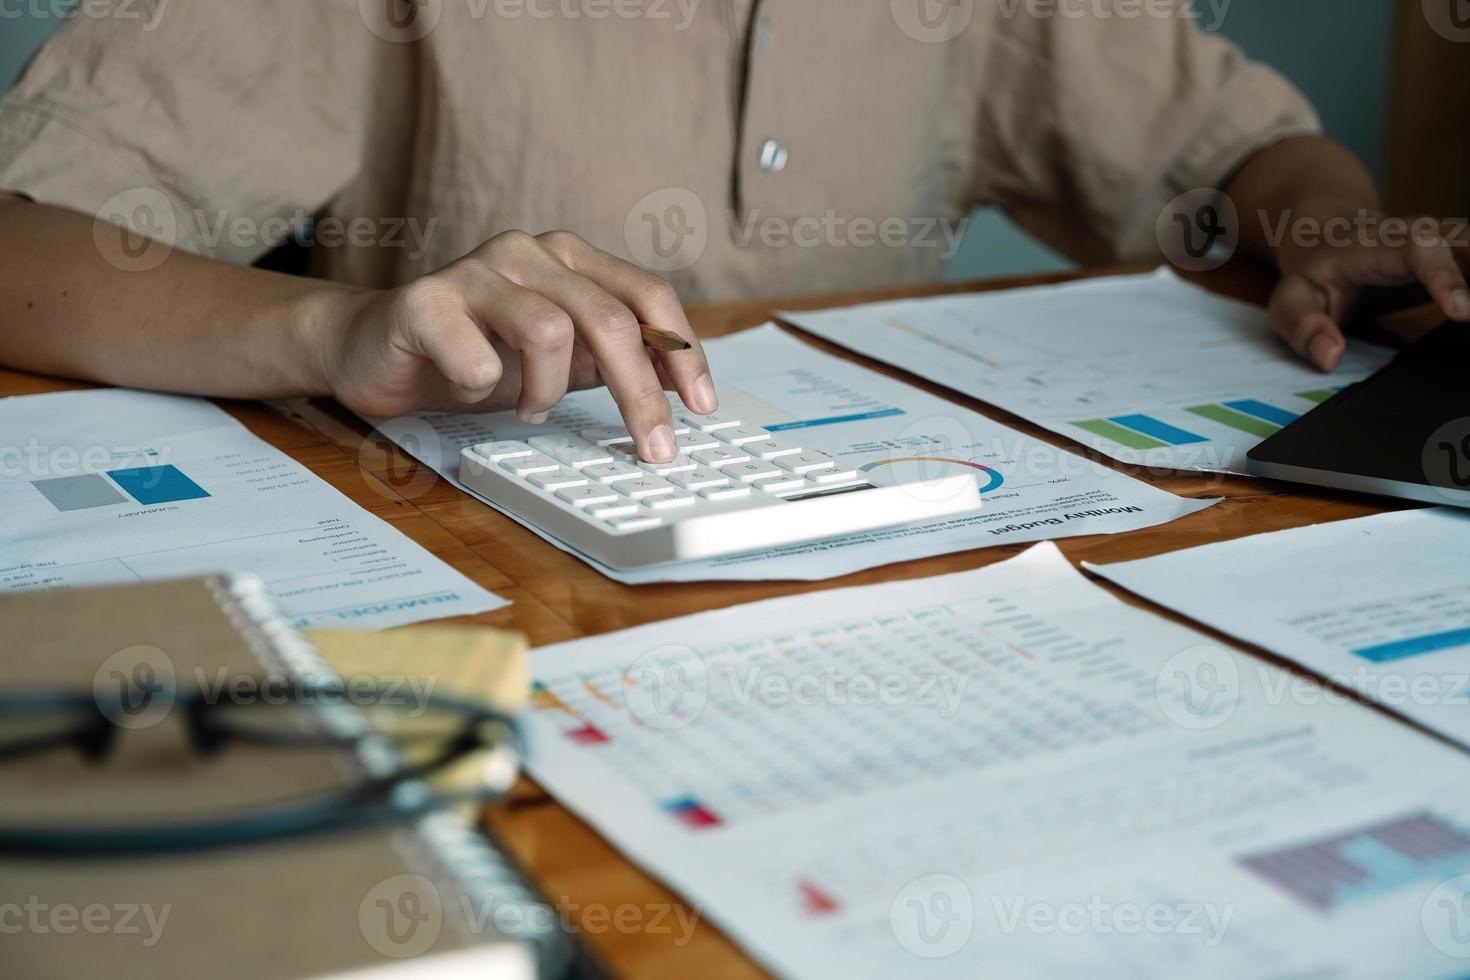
(1337, 51)
(21, 33)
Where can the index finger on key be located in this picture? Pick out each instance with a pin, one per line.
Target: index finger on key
(656, 304)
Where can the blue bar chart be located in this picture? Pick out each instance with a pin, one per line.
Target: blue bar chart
(1363, 864)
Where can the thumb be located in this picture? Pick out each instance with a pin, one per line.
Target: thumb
(1299, 315)
(444, 333)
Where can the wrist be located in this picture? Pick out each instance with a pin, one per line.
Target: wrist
(320, 322)
(1295, 194)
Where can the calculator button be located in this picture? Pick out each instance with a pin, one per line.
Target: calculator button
(751, 472)
(699, 479)
(722, 456)
(623, 508)
(606, 435)
(679, 464)
(534, 463)
(571, 450)
(648, 486)
(499, 452)
(612, 472)
(770, 449)
(623, 452)
(711, 422)
(829, 477)
(637, 522)
(557, 479)
(741, 434)
(673, 501)
(724, 493)
(812, 486)
(551, 444)
(785, 483)
(587, 495)
(694, 441)
(593, 456)
(806, 462)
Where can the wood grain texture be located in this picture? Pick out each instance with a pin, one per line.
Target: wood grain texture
(1428, 141)
(557, 598)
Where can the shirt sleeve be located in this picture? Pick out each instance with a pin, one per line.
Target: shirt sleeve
(1089, 125)
(232, 117)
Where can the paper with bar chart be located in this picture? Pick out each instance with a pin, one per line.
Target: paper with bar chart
(101, 487)
(1148, 369)
(1005, 773)
(1381, 605)
(1030, 491)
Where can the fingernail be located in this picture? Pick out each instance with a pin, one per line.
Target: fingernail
(1323, 350)
(661, 444)
(539, 418)
(1460, 303)
(705, 399)
(474, 397)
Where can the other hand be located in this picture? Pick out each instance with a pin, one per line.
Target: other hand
(1324, 275)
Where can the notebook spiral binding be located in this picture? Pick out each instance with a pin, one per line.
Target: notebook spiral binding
(464, 866)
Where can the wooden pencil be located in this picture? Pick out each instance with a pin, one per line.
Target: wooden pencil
(663, 340)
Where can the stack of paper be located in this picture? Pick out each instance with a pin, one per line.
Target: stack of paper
(1380, 605)
(1007, 773)
(1147, 369)
(119, 486)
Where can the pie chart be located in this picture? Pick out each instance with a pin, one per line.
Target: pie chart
(991, 481)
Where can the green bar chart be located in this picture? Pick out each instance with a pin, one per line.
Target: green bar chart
(1319, 396)
(1236, 420)
(1118, 434)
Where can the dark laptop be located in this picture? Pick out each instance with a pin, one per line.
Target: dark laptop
(1404, 432)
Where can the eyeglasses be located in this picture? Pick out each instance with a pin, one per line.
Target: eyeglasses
(399, 742)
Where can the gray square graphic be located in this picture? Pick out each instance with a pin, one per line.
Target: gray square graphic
(78, 492)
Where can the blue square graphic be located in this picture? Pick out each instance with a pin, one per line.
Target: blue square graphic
(157, 484)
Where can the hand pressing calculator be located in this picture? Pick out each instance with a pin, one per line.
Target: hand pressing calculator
(733, 487)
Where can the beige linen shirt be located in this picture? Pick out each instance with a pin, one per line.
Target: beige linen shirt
(740, 147)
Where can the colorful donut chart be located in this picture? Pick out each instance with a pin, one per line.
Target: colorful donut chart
(994, 483)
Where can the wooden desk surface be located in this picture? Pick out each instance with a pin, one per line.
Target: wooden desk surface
(556, 597)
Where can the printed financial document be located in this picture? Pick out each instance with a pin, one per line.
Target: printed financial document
(1006, 773)
(1148, 369)
(100, 487)
(1380, 605)
(1030, 490)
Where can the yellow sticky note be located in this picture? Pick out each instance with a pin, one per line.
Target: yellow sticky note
(488, 665)
(478, 663)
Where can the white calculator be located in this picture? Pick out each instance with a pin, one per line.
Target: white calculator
(733, 487)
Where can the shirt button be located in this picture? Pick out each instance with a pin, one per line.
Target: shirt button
(763, 35)
(773, 157)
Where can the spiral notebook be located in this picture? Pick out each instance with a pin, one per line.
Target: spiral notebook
(432, 896)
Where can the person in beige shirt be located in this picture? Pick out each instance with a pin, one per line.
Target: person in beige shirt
(499, 191)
